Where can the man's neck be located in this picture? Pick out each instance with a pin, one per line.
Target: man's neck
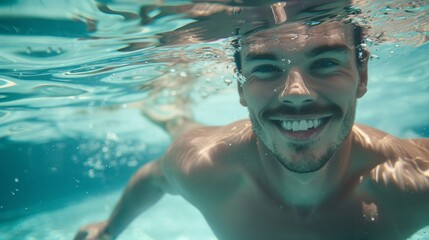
(307, 190)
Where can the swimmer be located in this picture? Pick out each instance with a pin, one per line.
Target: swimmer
(299, 168)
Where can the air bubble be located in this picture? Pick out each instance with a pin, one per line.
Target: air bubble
(228, 81)
(91, 173)
(105, 149)
(16, 180)
(239, 77)
(183, 74)
(374, 57)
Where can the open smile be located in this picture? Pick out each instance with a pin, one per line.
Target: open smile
(303, 128)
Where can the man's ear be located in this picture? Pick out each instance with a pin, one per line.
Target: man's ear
(240, 93)
(363, 73)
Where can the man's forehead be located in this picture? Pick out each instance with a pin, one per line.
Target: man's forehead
(295, 36)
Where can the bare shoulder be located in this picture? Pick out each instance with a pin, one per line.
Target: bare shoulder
(369, 134)
(401, 163)
(206, 157)
(398, 176)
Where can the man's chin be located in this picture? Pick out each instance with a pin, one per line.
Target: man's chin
(303, 166)
(304, 159)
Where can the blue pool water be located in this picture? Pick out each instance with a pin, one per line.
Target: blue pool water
(73, 72)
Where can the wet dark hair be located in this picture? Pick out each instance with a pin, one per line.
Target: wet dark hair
(358, 39)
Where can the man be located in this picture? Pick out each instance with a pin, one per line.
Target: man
(300, 168)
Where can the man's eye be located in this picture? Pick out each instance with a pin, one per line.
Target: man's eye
(266, 68)
(324, 63)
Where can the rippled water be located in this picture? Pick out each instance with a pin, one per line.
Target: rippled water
(102, 54)
(73, 75)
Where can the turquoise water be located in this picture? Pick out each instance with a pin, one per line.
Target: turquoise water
(73, 72)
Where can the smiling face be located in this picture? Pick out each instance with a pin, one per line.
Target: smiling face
(301, 87)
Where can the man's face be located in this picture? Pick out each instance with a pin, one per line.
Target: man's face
(301, 87)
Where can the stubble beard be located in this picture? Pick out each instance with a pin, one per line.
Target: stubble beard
(304, 160)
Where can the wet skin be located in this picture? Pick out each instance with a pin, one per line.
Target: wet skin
(262, 179)
(242, 189)
(296, 73)
(256, 180)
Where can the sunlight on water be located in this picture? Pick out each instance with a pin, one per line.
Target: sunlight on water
(75, 74)
(105, 57)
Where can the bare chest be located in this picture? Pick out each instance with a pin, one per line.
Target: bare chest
(252, 215)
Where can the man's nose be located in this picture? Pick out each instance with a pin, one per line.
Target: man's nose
(295, 91)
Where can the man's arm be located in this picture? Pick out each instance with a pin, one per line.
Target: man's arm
(144, 189)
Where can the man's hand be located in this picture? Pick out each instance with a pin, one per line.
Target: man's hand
(94, 231)
(143, 190)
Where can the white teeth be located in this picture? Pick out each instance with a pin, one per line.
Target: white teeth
(295, 126)
(300, 125)
(316, 123)
(303, 125)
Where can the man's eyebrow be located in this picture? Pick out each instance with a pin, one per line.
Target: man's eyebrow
(335, 48)
(261, 56)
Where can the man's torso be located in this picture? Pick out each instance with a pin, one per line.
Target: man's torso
(218, 171)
